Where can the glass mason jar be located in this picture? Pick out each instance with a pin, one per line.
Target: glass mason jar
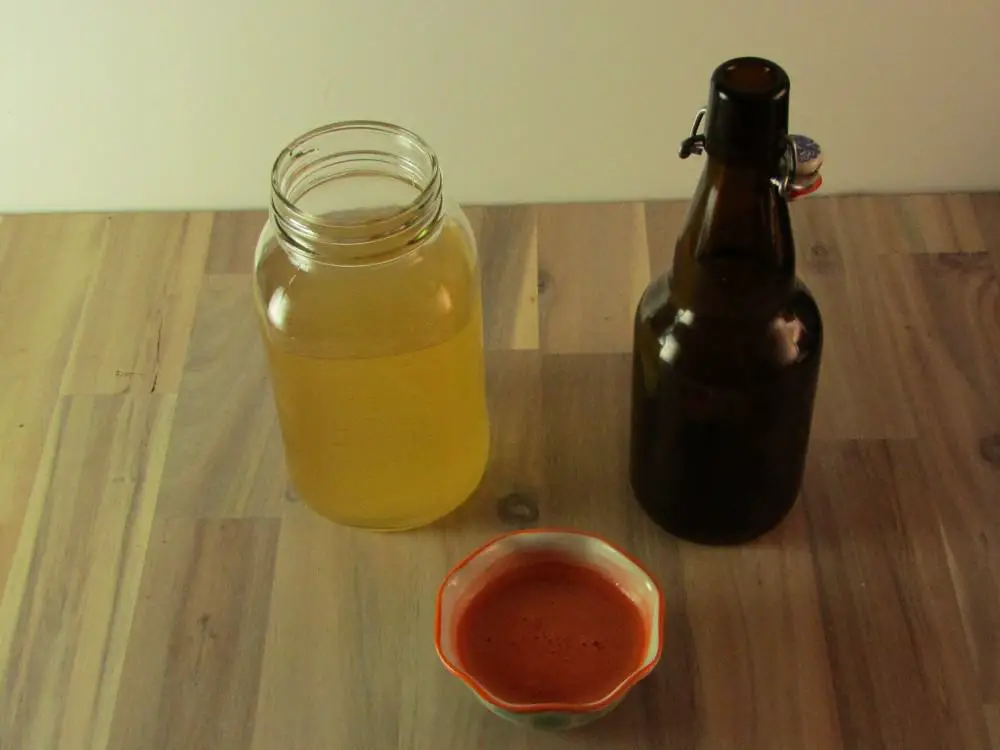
(368, 293)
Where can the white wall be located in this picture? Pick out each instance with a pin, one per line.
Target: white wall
(114, 104)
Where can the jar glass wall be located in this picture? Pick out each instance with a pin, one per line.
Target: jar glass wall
(368, 293)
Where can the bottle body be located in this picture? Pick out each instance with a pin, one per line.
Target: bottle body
(726, 357)
(717, 456)
(375, 354)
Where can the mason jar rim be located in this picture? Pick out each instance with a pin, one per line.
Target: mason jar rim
(299, 147)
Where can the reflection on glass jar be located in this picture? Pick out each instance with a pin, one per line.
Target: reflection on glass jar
(367, 289)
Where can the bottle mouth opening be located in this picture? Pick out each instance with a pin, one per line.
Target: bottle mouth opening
(747, 117)
(751, 78)
(355, 183)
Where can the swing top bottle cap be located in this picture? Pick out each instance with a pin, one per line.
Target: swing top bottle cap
(747, 118)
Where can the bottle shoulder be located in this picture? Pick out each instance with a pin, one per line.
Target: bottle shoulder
(735, 347)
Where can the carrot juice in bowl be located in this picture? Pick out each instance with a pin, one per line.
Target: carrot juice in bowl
(549, 628)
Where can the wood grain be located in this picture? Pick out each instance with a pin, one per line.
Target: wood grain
(66, 614)
(507, 237)
(860, 393)
(993, 722)
(230, 465)
(987, 212)
(949, 346)
(192, 672)
(593, 266)
(9, 534)
(233, 241)
(761, 682)
(586, 464)
(938, 224)
(513, 490)
(159, 590)
(664, 223)
(134, 327)
(884, 580)
(45, 271)
(325, 655)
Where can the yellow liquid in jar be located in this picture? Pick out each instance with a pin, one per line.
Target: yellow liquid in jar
(378, 378)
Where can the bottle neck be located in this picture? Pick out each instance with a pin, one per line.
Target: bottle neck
(742, 214)
(355, 193)
(736, 246)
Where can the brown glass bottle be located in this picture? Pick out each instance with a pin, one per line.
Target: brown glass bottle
(727, 345)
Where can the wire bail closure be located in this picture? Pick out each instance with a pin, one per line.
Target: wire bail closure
(799, 166)
(694, 143)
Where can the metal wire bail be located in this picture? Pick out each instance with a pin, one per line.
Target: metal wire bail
(799, 169)
(694, 143)
(789, 162)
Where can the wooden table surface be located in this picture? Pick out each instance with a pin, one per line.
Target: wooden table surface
(160, 590)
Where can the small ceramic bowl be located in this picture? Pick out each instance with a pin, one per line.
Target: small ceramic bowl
(590, 550)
